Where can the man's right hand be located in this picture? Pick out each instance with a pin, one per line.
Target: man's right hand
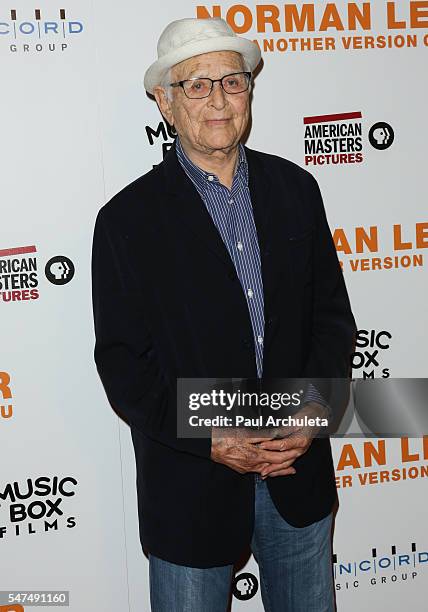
(242, 453)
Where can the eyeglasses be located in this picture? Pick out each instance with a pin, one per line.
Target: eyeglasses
(201, 87)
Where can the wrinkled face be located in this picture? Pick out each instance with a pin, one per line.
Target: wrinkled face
(212, 123)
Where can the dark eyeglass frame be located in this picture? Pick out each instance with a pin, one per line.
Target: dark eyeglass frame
(181, 84)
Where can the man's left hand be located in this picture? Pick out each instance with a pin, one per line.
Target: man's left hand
(295, 440)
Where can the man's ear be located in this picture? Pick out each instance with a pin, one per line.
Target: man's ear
(163, 104)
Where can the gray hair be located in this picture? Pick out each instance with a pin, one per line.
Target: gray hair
(165, 83)
(166, 79)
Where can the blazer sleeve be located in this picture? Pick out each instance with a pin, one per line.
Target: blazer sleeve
(124, 353)
(333, 324)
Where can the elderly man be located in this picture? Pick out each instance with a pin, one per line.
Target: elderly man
(219, 263)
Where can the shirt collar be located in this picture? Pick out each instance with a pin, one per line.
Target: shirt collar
(201, 178)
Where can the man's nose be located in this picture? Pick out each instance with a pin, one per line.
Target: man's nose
(217, 96)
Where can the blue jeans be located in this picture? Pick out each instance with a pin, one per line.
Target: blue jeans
(295, 566)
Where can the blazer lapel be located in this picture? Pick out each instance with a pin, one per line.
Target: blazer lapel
(260, 188)
(188, 209)
(269, 226)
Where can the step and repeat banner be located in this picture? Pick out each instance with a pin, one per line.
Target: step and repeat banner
(342, 92)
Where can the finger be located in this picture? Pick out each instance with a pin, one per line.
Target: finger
(289, 453)
(285, 472)
(293, 441)
(275, 445)
(282, 456)
(275, 468)
(259, 467)
(258, 440)
(276, 457)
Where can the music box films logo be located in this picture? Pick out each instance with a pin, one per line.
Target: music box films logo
(37, 505)
(368, 360)
(161, 135)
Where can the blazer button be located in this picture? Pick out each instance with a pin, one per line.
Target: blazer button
(272, 319)
(246, 343)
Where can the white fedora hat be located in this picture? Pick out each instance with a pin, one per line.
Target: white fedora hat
(188, 37)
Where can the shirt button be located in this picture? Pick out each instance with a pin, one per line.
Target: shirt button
(260, 339)
(210, 178)
(240, 245)
(231, 201)
(250, 294)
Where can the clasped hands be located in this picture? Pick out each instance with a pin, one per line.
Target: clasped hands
(269, 456)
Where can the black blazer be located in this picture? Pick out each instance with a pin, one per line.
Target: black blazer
(167, 303)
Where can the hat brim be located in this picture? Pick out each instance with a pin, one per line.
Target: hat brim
(248, 49)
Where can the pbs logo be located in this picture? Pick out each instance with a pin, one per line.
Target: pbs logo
(245, 586)
(59, 270)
